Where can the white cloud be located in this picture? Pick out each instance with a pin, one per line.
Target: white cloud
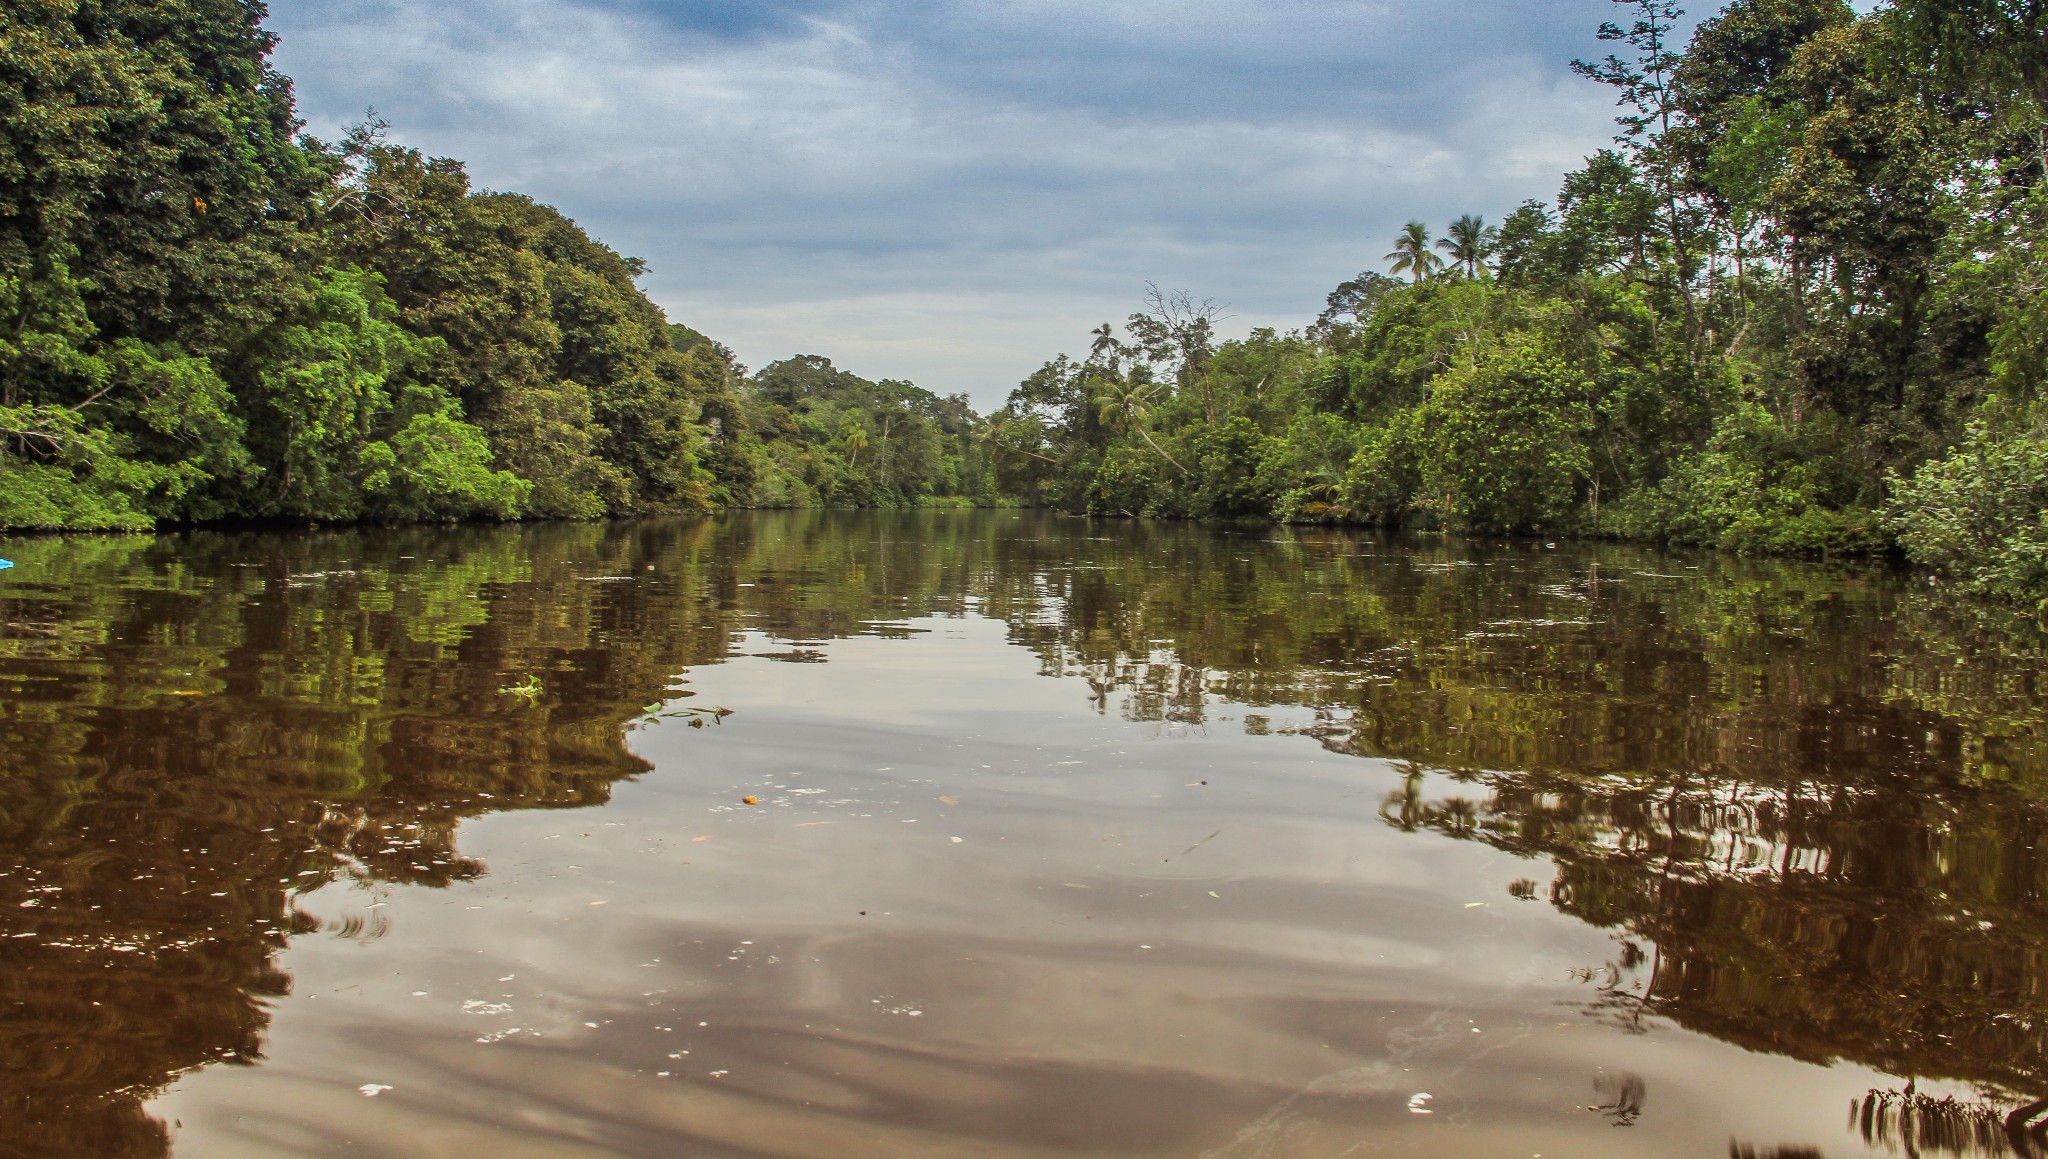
(840, 186)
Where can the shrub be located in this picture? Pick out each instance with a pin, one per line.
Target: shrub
(1231, 479)
(1981, 514)
(1383, 477)
(60, 473)
(1130, 481)
(1756, 487)
(1502, 441)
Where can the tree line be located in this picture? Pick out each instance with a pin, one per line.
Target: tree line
(1797, 307)
(206, 314)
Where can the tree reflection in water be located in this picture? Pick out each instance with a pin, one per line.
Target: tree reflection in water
(1807, 801)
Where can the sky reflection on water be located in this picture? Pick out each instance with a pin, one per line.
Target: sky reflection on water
(1072, 839)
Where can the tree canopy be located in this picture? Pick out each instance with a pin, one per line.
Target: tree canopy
(1796, 308)
(208, 315)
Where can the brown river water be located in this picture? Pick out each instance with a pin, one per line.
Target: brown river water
(1068, 838)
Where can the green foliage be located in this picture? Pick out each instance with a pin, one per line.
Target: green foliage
(1502, 442)
(1385, 476)
(814, 434)
(1231, 469)
(1130, 481)
(1804, 286)
(439, 467)
(343, 430)
(151, 152)
(1981, 514)
(473, 271)
(60, 473)
(1303, 469)
(1810, 264)
(205, 316)
(1756, 486)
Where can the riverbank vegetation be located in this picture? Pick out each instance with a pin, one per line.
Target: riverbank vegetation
(205, 314)
(1798, 307)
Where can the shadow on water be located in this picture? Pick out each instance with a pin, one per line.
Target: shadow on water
(1807, 802)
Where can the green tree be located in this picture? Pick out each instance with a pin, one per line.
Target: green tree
(1995, 50)
(1643, 82)
(471, 272)
(151, 152)
(1470, 242)
(1125, 405)
(1980, 514)
(343, 430)
(1504, 441)
(1411, 252)
(854, 437)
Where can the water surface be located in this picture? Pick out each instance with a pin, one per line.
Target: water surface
(1070, 838)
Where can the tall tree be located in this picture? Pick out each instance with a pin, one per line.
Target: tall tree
(1178, 333)
(1125, 406)
(1643, 82)
(151, 152)
(1995, 49)
(155, 209)
(854, 435)
(1411, 252)
(469, 271)
(1470, 242)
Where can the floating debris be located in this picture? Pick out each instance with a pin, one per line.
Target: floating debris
(529, 691)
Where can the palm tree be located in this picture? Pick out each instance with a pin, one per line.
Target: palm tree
(1470, 241)
(995, 434)
(856, 439)
(1124, 405)
(1411, 252)
(1106, 349)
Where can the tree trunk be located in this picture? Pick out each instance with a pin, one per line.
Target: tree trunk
(1147, 436)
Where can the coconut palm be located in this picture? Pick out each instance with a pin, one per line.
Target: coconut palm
(1411, 252)
(995, 435)
(1124, 406)
(1470, 241)
(1106, 350)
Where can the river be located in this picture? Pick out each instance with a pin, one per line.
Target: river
(1016, 836)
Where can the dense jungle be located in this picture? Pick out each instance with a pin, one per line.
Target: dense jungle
(1796, 308)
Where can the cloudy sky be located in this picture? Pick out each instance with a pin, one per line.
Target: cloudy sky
(952, 191)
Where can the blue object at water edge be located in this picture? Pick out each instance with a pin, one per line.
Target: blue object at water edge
(5, 564)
